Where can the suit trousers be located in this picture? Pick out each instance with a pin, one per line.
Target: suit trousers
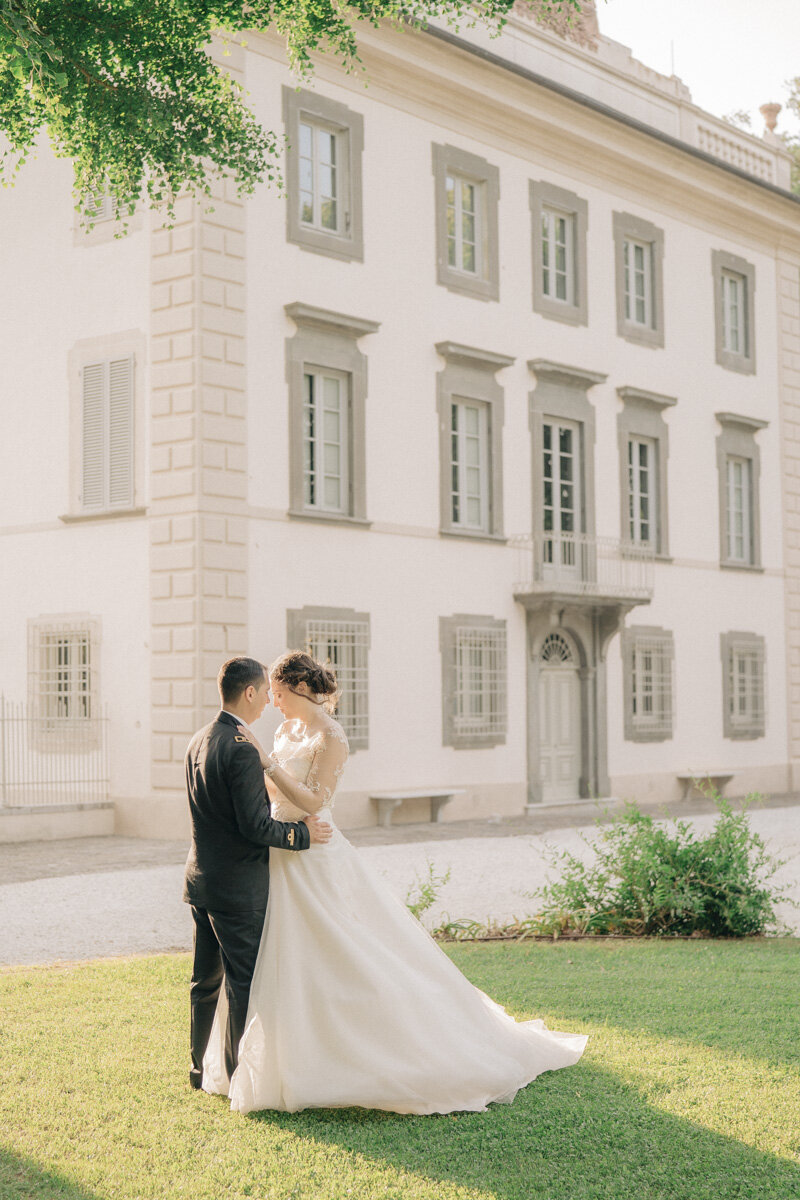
(225, 951)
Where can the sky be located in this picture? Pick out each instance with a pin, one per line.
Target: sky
(732, 54)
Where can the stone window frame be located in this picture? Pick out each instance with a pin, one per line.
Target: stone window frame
(643, 416)
(542, 194)
(662, 730)
(300, 101)
(561, 392)
(744, 363)
(469, 374)
(478, 170)
(627, 225)
(756, 726)
(131, 344)
(448, 627)
(328, 339)
(297, 622)
(737, 439)
(81, 733)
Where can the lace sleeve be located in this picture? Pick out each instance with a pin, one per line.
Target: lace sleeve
(327, 767)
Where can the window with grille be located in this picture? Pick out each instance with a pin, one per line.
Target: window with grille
(326, 465)
(648, 663)
(340, 637)
(474, 681)
(641, 490)
(558, 255)
(469, 464)
(744, 692)
(63, 672)
(739, 509)
(108, 431)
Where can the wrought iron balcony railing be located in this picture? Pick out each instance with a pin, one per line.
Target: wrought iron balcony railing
(581, 564)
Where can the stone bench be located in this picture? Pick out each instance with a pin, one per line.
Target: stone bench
(387, 802)
(717, 779)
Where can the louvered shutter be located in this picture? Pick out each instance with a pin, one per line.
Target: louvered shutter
(93, 492)
(120, 432)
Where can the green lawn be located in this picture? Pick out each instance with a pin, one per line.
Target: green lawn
(689, 1089)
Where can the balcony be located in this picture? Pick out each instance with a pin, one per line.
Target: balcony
(585, 569)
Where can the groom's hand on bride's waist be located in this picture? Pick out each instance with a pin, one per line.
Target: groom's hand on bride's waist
(319, 831)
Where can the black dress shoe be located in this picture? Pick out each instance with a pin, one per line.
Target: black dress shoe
(195, 1080)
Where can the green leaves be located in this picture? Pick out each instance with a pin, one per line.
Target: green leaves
(130, 92)
(645, 879)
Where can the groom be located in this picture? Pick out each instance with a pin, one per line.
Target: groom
(227, 871)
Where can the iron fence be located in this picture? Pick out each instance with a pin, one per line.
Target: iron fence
(51, 761)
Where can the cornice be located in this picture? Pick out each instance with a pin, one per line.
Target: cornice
(605, 110)
(741, 421)
(639, 396)
(469, 356)
(308, 316)
(574, 377)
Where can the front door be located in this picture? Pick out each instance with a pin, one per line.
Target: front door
(559, 720)
(561, 499)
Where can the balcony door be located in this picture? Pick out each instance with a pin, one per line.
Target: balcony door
(561, 499)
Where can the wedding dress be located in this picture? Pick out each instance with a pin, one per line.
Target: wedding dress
(352, 1001)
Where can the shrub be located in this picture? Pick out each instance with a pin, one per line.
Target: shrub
(647, 879)
(423, 893)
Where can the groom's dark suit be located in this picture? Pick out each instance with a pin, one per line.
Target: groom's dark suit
(227, 876)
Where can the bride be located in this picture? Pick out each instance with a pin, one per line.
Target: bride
(352, 1002)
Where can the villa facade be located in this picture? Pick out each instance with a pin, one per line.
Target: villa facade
(497, 406)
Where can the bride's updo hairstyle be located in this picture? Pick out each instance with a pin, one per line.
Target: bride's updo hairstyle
(296, 667)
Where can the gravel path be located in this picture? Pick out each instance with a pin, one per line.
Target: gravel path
(136, 911)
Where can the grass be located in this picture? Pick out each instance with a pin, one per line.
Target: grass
(689, 1089)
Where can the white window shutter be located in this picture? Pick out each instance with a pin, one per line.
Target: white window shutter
(120, 432)
(93, 492)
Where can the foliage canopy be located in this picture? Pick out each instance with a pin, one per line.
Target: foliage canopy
(129, 92)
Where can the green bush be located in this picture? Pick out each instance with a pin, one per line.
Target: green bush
(648, 879)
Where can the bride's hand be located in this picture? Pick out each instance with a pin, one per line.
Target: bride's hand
(251, 737)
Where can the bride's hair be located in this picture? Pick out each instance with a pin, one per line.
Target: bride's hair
(296, 667)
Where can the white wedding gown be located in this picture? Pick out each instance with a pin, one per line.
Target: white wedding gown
(352, 1001)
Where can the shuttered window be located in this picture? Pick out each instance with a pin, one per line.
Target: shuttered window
(107, 474)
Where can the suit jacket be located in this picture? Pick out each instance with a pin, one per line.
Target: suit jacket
(228, 865)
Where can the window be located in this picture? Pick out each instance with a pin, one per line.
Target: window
(470, 464)
(467, 192)
(326, 446)
(473, 681)
(738, 462)
(340, 636)
(560, 220)
(644, 452)
(641, 489)
(740, 517)
(743, 685)
(734, 311)
(464, 225)
(107, 470)
(639, 251)
(63, 674)
(470, 403)
(323, 174)
(648, 658)
(638, 260)
(327, 376)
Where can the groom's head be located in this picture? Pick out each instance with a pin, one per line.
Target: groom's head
(244, 687)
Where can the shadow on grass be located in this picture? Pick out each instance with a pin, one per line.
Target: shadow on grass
(21, 1178)
(574, 1135)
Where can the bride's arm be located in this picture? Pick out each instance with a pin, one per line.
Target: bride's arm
(324, 774)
